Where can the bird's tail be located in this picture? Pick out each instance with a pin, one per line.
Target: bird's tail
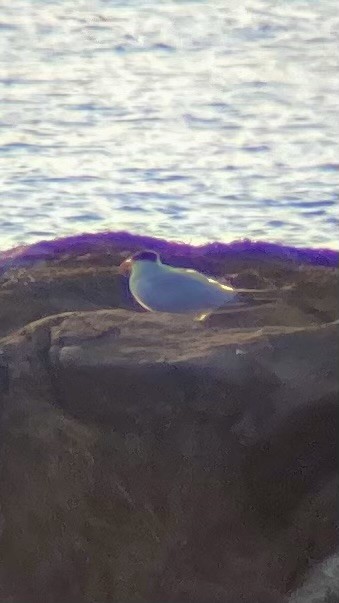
(249, 298)
(254, 297)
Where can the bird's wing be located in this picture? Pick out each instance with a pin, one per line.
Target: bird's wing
(168, 289)
(198, 277)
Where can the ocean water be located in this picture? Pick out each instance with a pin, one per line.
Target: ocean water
(189, 120)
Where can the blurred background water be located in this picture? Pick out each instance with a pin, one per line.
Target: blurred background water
(189, 120)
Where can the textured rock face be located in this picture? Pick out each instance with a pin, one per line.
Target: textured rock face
(146, 458)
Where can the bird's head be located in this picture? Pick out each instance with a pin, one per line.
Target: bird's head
(140, 256)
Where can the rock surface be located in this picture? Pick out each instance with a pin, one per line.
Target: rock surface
(148, 458)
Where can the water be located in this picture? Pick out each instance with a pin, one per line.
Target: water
(190, 120)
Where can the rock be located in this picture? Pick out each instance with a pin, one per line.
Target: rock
(4, 377)
(149, 458)
(322, 585)
(250, 279)
(53, 290)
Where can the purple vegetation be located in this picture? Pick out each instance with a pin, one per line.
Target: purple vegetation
(124, 241)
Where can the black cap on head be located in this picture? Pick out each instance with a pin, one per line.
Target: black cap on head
(149, 256)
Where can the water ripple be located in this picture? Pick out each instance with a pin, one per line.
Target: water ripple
(193, 120)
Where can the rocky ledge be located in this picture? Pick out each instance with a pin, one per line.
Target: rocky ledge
(149, 458)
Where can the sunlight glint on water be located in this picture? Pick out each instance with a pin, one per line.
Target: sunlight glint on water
(190, 121)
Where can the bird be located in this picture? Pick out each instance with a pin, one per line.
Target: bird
(158, 287)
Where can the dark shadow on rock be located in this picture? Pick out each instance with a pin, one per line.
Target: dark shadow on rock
(298, 456)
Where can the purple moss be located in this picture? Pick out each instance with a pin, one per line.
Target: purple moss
(124, 241)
